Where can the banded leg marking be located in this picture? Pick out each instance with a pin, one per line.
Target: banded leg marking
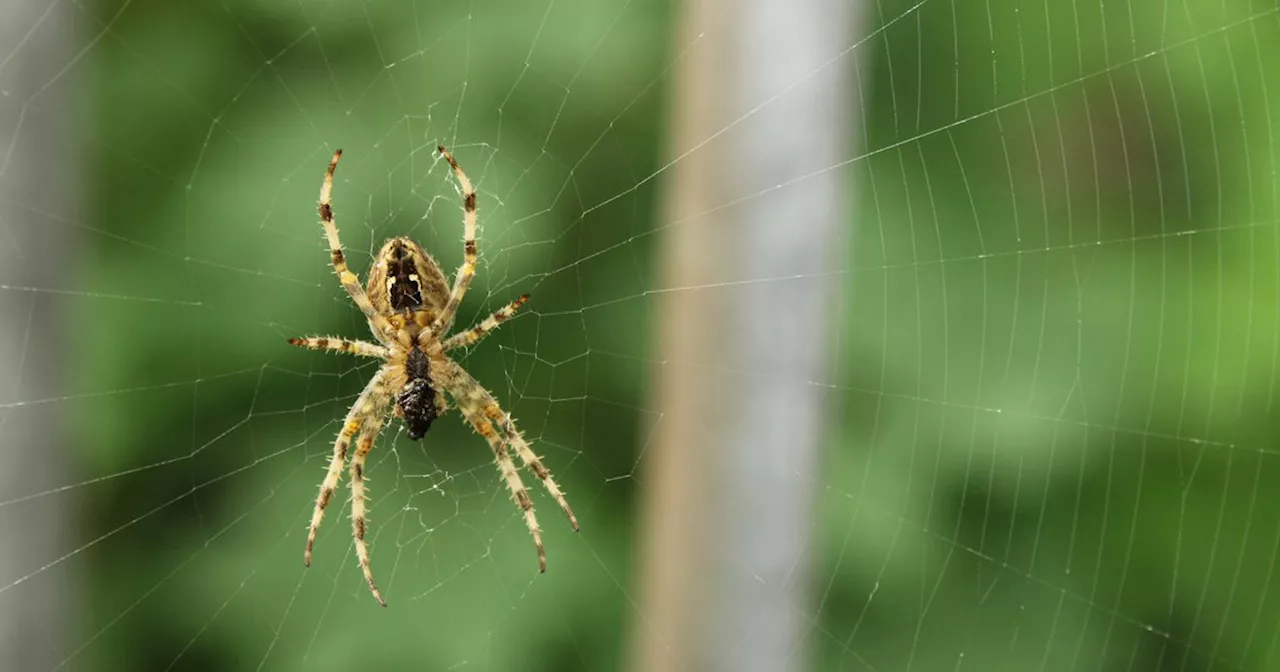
(349, 281)
(469, 250)
(470, 394)
(356, 417)
(359, 519)
(330, 344)
(530, 459)
(473, 335)
(519, 493)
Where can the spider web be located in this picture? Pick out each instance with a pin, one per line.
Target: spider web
(1052, 440)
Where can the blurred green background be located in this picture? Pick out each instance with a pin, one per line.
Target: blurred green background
(1053, 430)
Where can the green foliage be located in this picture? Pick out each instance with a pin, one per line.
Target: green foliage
(1058, 445)
(1053, 445)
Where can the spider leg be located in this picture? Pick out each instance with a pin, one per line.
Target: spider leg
(442, 405)
(469, 252)
(359, 524)
(469, 392)
(519, 493)
(530, 459)
(362, 410)
(359, 348)
(473, 335)
(349, 281)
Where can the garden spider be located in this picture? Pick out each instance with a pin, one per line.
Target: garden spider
(409, 307)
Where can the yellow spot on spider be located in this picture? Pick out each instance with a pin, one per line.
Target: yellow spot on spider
(348, 278)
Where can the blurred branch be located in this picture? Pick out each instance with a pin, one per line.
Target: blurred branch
(763, 98)
(39, 188)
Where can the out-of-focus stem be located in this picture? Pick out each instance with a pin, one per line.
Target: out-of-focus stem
(755, 222)
(39, 191)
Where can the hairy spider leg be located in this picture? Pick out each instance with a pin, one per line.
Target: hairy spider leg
(477, 399)
(519, 493)
(377, 322)
(469, 251)
(333, 344)
(364, 408)
(473, 335)
(530, 459)
(359, 521)
(480, 409)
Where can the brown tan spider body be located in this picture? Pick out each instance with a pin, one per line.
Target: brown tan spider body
(410, 306)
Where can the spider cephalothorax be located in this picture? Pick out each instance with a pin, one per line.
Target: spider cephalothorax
(410, 306)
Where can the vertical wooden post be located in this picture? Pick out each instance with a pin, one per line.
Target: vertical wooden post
(39, 191)
(764, 105)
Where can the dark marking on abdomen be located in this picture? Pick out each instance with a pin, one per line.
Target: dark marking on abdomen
(403, 291)
(418, 400)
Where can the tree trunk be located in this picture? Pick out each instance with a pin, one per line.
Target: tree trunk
(763, 105)
(39, 190)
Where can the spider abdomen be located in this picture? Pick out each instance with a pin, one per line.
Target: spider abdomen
(406, 280)
(417, 400)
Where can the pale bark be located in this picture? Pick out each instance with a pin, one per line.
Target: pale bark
(39, 190)
(764, 105)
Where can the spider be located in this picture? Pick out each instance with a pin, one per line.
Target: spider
(410, 308)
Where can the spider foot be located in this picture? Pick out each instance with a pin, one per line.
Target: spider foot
(377, 595)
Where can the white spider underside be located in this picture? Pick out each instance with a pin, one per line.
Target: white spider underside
(410, 307)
